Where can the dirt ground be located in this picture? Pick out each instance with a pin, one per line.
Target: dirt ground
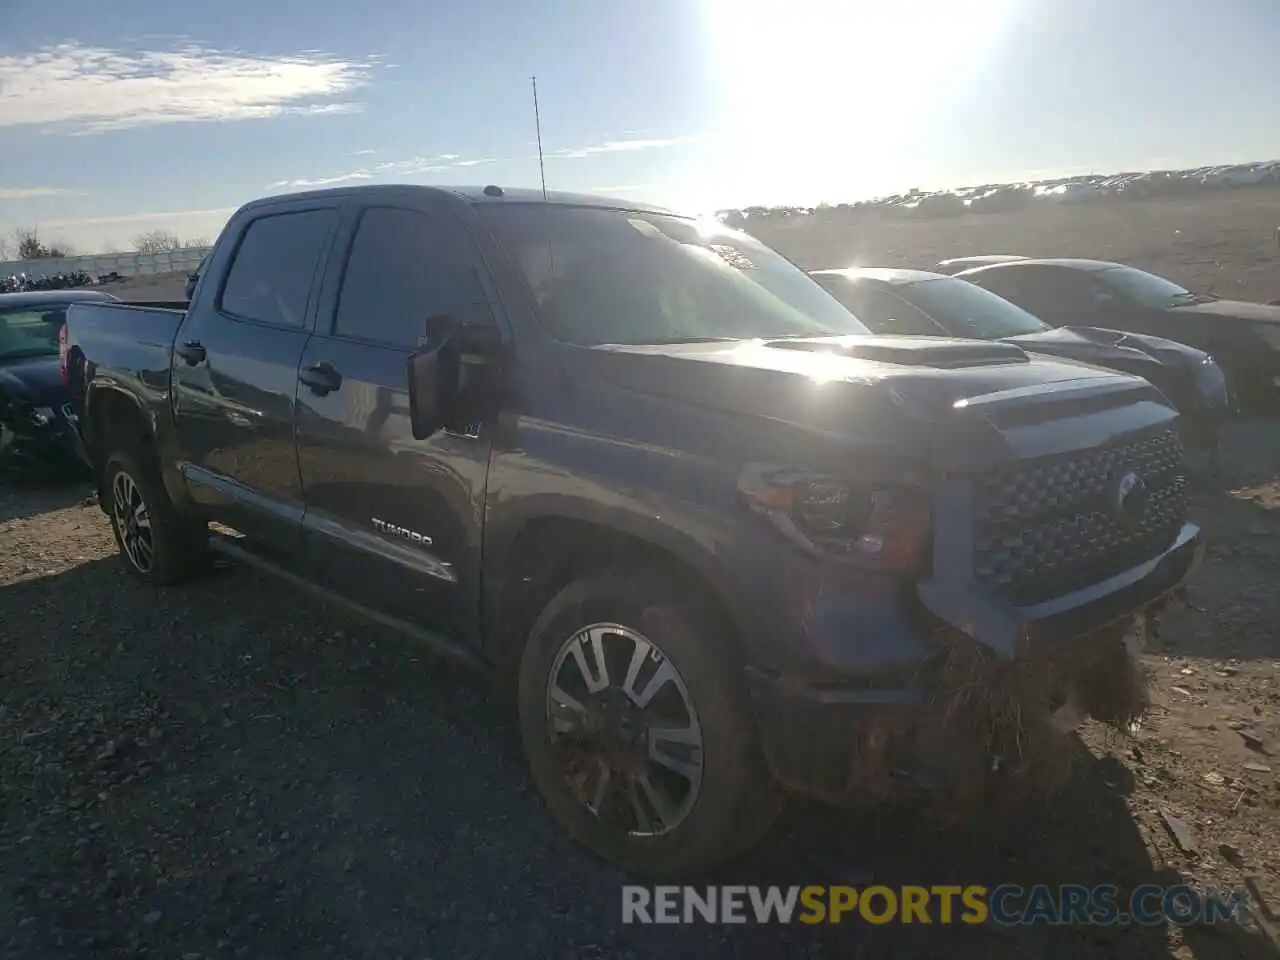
(229, 770)
(1222, 240)
(155, 286)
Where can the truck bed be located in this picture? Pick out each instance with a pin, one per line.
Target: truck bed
(127, 341)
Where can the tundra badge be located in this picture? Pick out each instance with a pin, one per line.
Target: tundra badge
(404, 532)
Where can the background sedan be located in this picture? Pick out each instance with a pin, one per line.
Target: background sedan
(37, 427)
(915, 302)
(1243, 337)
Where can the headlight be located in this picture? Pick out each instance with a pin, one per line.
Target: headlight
(1270, 332)
(883, 525)
(1212, 384)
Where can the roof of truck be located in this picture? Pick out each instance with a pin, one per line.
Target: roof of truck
(482, 195)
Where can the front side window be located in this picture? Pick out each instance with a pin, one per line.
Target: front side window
(970, 311)
(270, 278)
(1146, 288)
(405, 267)
(897, 317)
(614, 276)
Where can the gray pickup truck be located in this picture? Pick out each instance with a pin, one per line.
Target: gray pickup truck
(721, 542)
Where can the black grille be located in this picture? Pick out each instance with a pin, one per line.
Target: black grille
(1045, 528)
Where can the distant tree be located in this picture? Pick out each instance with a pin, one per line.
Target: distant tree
(196, 242)
(156, 241)
(27, 240)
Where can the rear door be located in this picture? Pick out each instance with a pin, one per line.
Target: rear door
(235, 370)
(392, 521)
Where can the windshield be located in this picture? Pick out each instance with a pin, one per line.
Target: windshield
(1146, 288)
(970, 310)
(30, 333)
(613, 276)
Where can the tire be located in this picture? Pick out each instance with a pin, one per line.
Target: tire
(178, 544)
(731, 800)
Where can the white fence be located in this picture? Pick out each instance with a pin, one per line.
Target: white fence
(125, 264)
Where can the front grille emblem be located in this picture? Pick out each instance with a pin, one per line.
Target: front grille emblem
(1128, 498)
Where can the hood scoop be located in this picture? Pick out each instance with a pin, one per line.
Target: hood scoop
(939, 353)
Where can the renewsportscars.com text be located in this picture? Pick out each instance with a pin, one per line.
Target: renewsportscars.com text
(1008, 904)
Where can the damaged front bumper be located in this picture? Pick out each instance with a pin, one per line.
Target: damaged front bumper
(41, 436)
(843, 741)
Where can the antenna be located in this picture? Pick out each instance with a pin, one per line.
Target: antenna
(537, 122)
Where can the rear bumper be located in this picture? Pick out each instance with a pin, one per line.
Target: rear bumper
(818, 734)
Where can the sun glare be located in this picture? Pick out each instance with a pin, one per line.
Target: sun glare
(819, 95)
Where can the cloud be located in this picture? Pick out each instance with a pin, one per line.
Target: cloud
(635, 145)
(133, 218)
(389, 169)
(321, 181)
(29, 193)
(75, 88)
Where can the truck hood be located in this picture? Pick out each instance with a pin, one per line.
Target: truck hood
(1234, 310)
(958, 399)
(35, 380)
(1130, 352)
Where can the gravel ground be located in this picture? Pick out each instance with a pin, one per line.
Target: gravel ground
(226, 769)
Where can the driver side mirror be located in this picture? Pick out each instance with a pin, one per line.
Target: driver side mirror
(434, 372)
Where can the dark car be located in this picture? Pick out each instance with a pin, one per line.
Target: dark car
(956, 264)
(37, 426)
(718, 540)
(1243, 337)
(894, 301)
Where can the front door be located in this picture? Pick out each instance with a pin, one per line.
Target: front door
(392, 521)
(235, 374)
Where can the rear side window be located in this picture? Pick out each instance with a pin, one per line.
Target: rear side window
(271, 275)
(404, 267)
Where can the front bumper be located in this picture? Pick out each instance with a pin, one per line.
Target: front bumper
(821, 736)
(55, 443)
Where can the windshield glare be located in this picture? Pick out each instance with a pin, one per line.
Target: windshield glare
(614, 276)
(967, 307)
(1146, 288)
(30, 333)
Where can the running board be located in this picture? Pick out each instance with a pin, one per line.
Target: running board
(446, 647)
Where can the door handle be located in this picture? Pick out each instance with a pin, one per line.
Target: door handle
(321, 378)
(192, 352)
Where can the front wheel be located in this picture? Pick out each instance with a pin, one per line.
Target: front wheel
(636, 727)
(157, 542)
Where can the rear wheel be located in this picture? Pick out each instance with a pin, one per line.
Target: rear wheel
(636, 727)
(158, 543)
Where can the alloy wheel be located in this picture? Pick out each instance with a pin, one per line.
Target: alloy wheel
(624, 730)
(133, 522)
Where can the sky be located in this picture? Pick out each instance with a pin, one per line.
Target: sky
(138, 115)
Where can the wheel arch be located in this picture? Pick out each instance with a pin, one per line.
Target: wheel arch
(531, 555)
